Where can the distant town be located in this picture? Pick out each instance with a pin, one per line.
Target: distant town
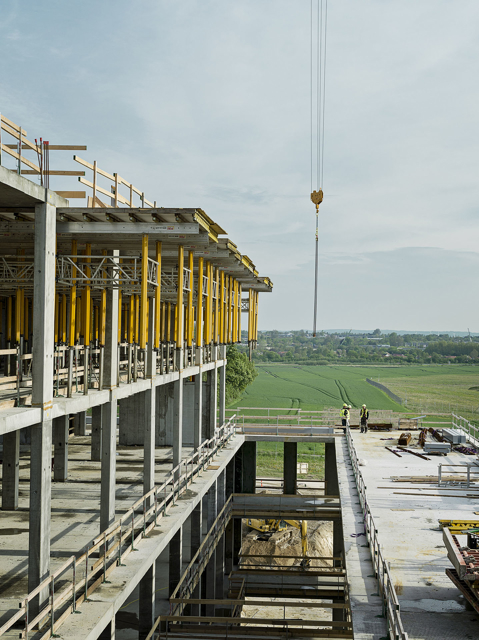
(368, 347)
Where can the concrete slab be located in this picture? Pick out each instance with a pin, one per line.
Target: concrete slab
(411, 540)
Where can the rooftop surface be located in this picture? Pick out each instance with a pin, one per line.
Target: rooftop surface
(432, 608)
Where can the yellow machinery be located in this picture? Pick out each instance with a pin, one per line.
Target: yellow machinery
(268, 527)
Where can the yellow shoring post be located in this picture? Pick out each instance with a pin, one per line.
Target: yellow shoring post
(206, 303)
(158, 296)
(228, 310)
(250, 307)
(87, 309)
(96, 321)
(56, 323)
(131, 322)
(22, 312)
(25, 315)
(175, 324)
(78, 320)
(73, 298)
(209, 305)
(168, 323)
(137, 319)
(199, 305)
(64, 318)
(256, 317)
(125, 321)
(162, 322)
(240, 294)
(102, 311)
(222, 310)
(216, 302)
(144, 291)
(119, 316)
(235, 309)
(190, 316)
(179, 299)
(9, 318)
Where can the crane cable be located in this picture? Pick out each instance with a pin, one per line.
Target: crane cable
(318, 95)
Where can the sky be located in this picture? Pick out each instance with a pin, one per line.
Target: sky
(206, 103)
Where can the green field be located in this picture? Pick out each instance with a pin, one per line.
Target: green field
(314, 388)
(269, 459)
(429, 389)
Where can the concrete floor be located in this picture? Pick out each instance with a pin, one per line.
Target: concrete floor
(75, 511)
(408, 530)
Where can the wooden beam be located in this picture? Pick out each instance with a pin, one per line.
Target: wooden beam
(51, 147)
(15, 155)
(54, 173)
(13, 125)
(72, 194)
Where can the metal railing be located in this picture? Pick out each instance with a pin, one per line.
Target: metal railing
(386, 590)
(471, 431)
(113, 545)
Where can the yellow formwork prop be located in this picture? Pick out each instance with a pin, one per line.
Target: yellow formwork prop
(190, 318)
(144, 292)
(73, 298)
(158, 296)
(179, 299)
(199, 304)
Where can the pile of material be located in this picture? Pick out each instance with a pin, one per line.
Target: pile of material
(271, 552)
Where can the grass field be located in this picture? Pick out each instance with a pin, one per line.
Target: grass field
(428, 389)
(438, 389)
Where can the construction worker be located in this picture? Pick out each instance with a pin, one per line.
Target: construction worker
(344, 415)
(364, 417)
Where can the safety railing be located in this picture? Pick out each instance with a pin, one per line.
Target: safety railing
(112, 546)
(471, 431)
(386, 590)
(464, 474)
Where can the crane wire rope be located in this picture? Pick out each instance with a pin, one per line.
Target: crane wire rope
(318, 64)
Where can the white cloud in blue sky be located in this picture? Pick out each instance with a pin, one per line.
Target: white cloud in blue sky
(206, 103)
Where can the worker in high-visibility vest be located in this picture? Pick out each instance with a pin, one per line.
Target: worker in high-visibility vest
(363, 418)
(344, 415)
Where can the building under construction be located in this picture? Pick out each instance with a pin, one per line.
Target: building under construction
(125, 489)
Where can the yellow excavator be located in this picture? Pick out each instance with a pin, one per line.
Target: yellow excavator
(268, 527)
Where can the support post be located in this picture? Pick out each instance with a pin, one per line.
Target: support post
(96, 430)
(210, 577)
(149, 397)
(61, 427)
(249, 467)
(196, 540)
(79, 424)
(222, 398)
(290, 467)
(332, 485)
(146, 608)
(109, 421)
(11, 466)
(176, 559)
(42, 396)
(177, 422)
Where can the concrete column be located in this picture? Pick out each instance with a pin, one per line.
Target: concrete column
(96, 422)
(230, 479)
(42, 396)
(11, 467)
(108, 632)
(249, 467)
(198, 412)
(43, 304)
(146, 607)
(237, 539)
(229, 546)
(131, 427)
(210, 577)
(222, 395)
(110, 411)
(332, 485)
(290, 467)
(79, 424)
(108, 465)
(238, 462)
(196, 540)
(149, 399)
(210, 403)
(40, 510)
(61, 433)
(176, 559)
(177, 421)
(164, 415)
